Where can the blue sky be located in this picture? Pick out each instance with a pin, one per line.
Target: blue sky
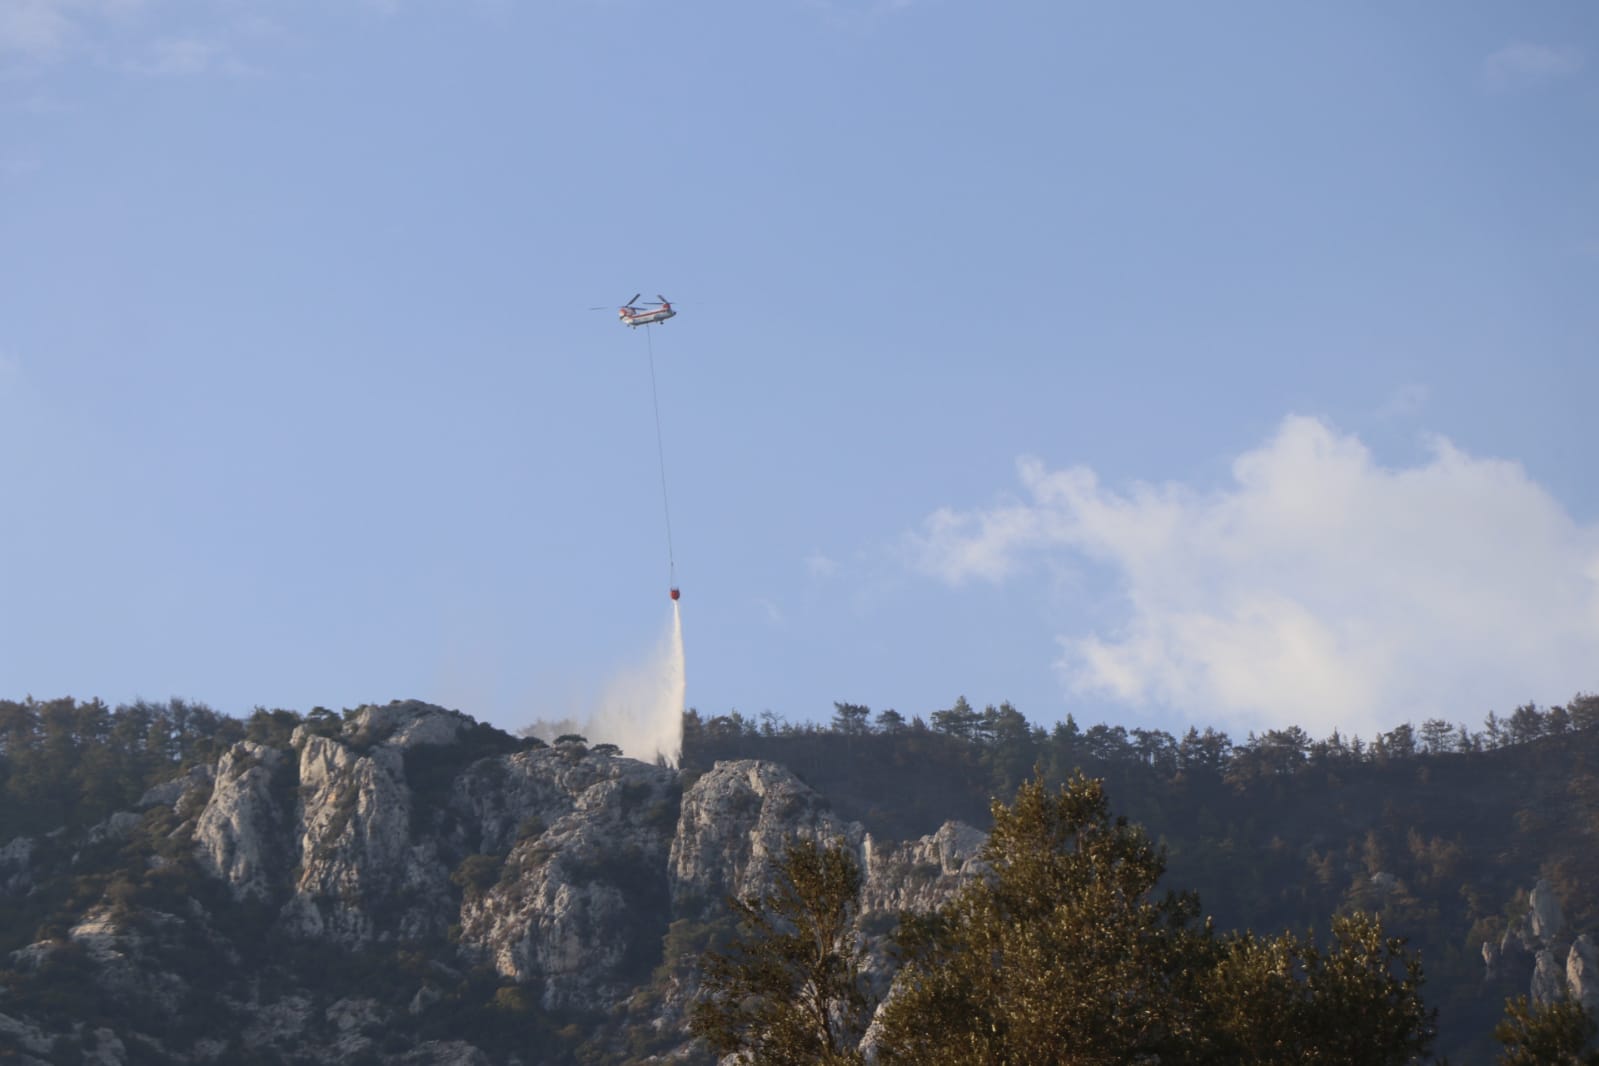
(1157, 363)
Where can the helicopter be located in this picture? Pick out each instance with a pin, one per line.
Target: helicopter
(636, 315)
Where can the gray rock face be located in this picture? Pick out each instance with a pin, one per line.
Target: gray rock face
(922, 874)
(1544, 918)
(404, 724)
(558, 869)
(237, 834)
(735, 821)
(1548, 979)
(565, 912)
(352, 835)
(1582, 974)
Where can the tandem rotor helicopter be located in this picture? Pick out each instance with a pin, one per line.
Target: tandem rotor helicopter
(636, 315)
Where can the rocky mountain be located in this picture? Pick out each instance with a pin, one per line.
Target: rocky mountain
(409, 886)
(405, 885)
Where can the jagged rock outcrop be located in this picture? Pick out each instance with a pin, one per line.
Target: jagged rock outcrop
(352, 837)
(237, 834)
(548, 876)
(921, 874)
(580, 900)
(1582, 974)
(1545, 921)
(1534, 954)
(1548, 978)
(735, 821)
(1490, 960)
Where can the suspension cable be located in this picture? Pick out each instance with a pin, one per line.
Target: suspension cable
(660, 451)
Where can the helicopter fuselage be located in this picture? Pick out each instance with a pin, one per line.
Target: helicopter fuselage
(638, 316)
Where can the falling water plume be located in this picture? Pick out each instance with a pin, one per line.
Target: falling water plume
(641, 708)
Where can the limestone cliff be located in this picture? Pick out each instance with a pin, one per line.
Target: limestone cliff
(474, 871)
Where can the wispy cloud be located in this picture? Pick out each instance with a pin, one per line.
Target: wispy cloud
(1319, 587)
(1523, 65)
(133, 36)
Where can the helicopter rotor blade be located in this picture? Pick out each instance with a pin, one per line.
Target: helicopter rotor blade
(661, 298)
(636, 295)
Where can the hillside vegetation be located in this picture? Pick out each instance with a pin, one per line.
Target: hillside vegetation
(1440, 829)
(434, 878)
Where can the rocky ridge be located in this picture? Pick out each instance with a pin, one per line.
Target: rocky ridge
(544, 881)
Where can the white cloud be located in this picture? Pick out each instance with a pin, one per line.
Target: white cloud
(1523, 65)
(1318, 588)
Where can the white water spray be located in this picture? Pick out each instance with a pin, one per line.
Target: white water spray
(640, 709)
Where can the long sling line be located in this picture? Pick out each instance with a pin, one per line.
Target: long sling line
(660, 451)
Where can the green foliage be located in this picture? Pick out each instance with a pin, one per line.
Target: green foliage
(272, 729)
(70, 764)
(789, 991)
(1276, 831)
(1554, 1034)
(1064, 946)
(1283, 1000)
(1065, 954)
(478, 873)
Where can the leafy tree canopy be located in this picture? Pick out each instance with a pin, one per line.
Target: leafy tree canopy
(1554, 1034)
(788, 992)
(1066, 954)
